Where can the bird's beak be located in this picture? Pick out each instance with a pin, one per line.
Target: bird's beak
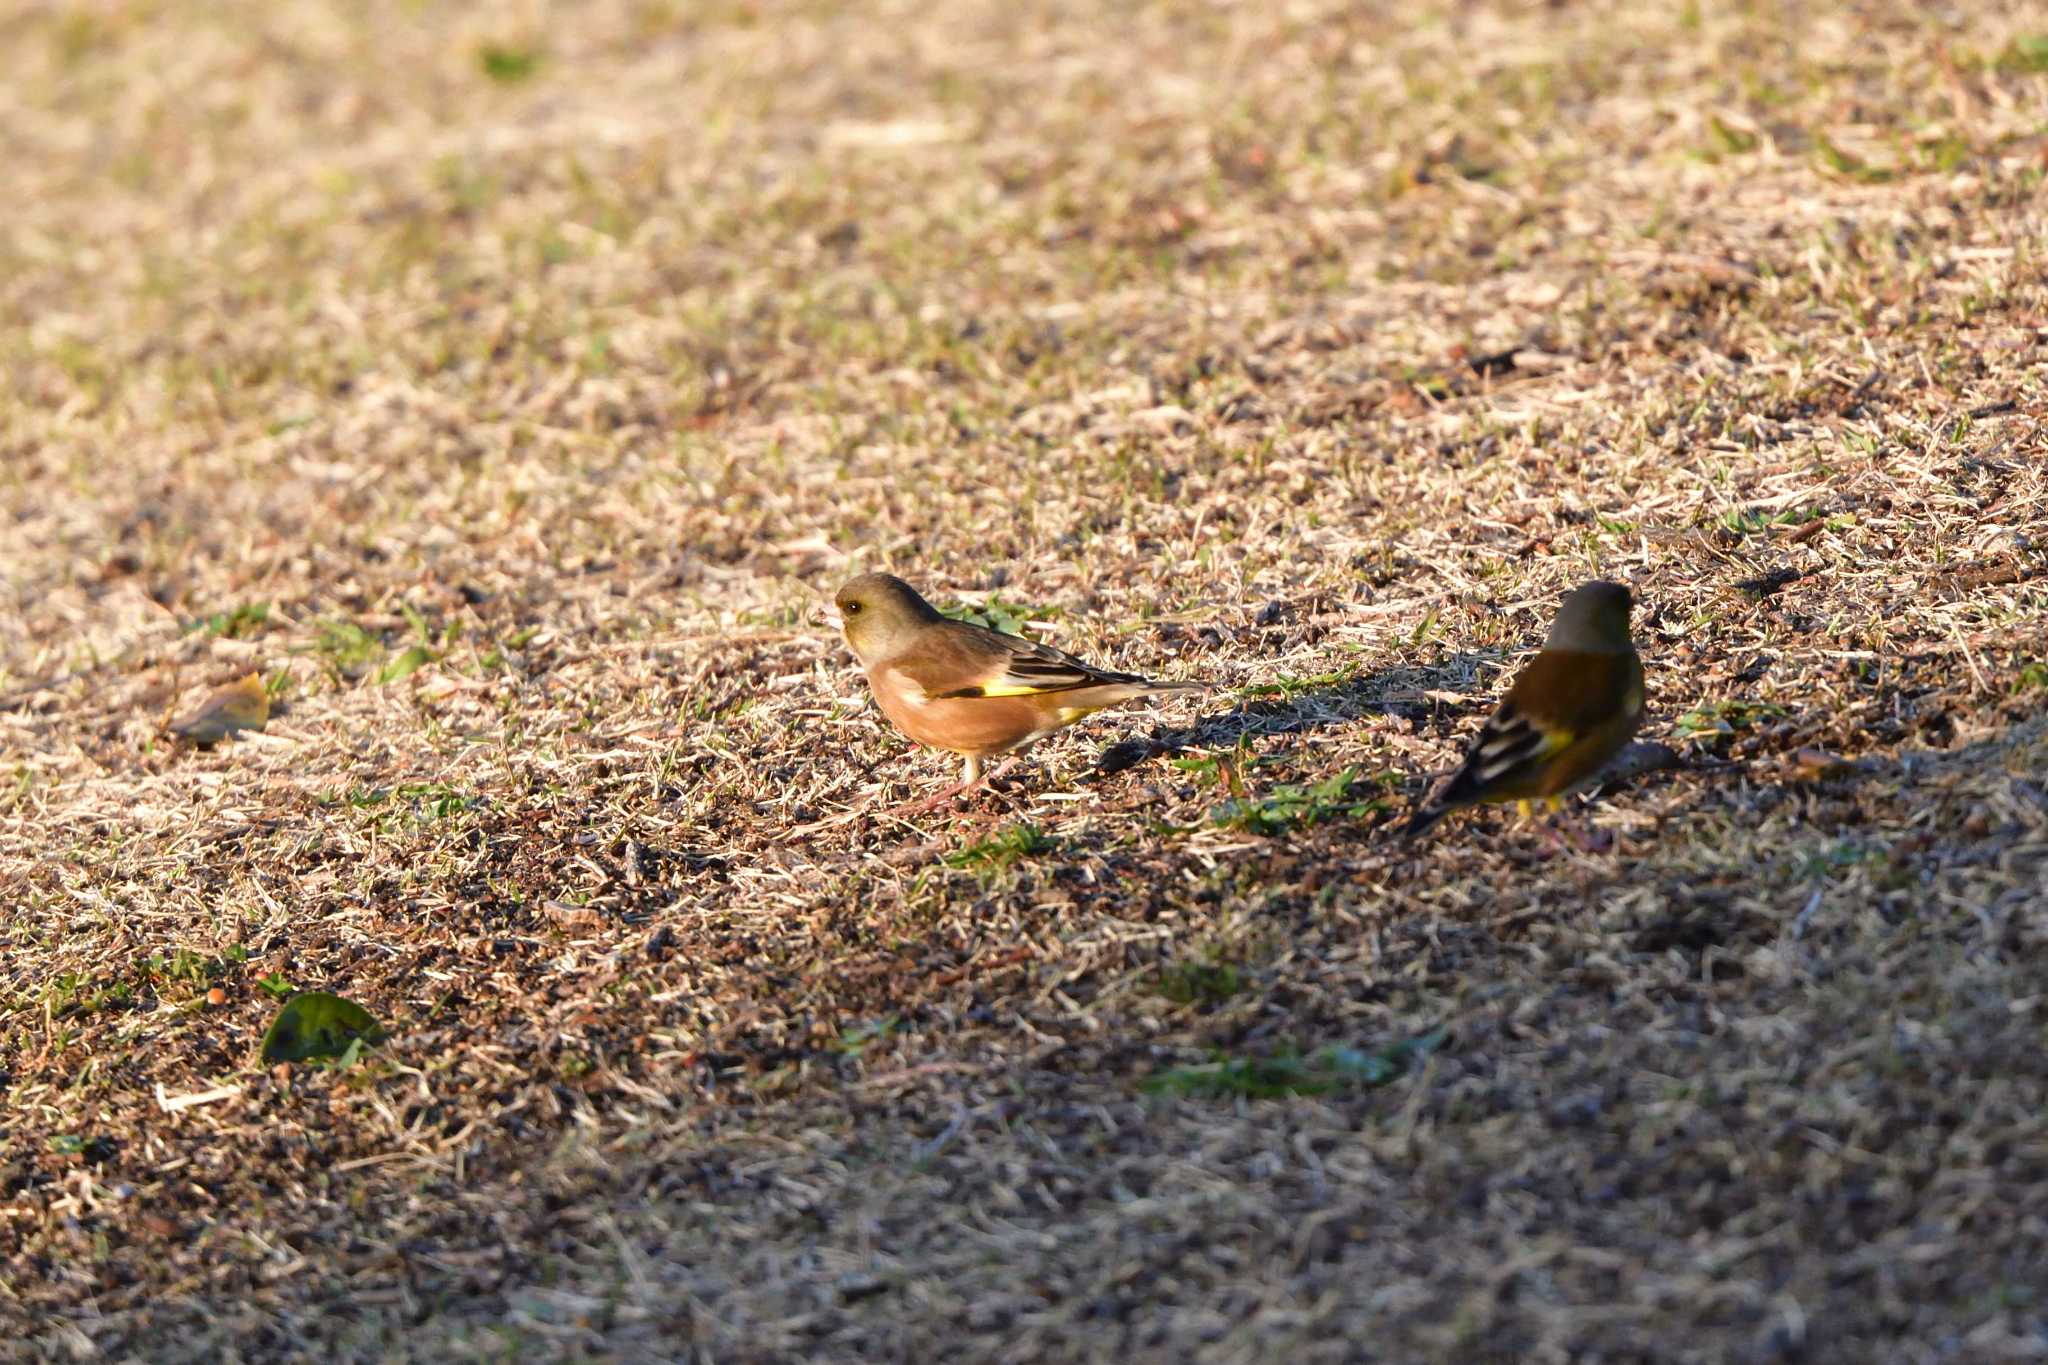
(829, 617)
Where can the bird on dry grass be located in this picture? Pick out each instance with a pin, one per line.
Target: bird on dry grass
(962, 687)
(1569, 712)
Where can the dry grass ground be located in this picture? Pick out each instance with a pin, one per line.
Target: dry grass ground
(571, 355)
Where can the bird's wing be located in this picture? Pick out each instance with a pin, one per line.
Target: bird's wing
(1521, 735)
(1511, 745)
(1512, 739)
(957, 659)
(1016, 667)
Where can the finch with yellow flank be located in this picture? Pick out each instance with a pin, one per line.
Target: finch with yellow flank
(962, 687)
(1571, 710)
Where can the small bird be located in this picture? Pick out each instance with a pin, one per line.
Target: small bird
(1571, 710)
(957, 686)
(239, 706)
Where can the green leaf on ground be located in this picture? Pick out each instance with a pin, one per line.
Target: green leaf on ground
(316, 1025)
(413, 659)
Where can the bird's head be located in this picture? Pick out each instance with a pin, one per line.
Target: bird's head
(878, 612)
(1592, 619)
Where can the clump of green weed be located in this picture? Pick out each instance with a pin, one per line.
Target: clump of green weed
(1289, 685)
(998, 615)
(234, 625)
(1000, 850)
(1292, 1073)
(1345, 794)
(1201, 982)
(1715, 722)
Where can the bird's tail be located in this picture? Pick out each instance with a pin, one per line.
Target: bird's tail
(1175, 685)
(1426, 815)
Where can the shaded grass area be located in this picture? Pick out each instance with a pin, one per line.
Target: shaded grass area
(507, 396)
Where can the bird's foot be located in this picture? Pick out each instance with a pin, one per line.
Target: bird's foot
(962, 792)
(1579, 836)
(959, 791)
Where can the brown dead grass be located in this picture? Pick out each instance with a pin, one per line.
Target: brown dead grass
(1311, 351)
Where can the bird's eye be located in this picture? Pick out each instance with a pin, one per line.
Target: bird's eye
(853, 608)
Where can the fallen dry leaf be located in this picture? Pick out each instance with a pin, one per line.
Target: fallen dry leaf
(1815, 765)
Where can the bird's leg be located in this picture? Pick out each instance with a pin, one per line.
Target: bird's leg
(1526, 809)
(1577, 830)
(1587, 839)
(998, 801)
(970, 778)
(1001, 768)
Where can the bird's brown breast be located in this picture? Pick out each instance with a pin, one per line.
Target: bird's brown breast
(981, 726)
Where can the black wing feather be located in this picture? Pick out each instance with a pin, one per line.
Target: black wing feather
(1044, 669)
(1505, 742)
